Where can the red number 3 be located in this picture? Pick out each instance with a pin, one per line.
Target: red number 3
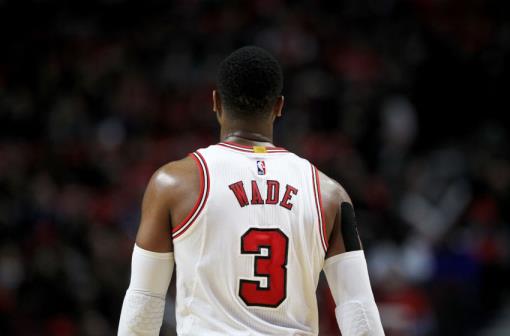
(271, 266)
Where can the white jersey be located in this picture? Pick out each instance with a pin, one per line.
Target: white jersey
(249, 255)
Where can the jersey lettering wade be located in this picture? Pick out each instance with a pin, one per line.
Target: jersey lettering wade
(249, 254)
(273, 194)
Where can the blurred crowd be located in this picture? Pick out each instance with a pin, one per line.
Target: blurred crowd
(400, 101)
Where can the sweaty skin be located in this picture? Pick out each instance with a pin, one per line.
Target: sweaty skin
(174, 188)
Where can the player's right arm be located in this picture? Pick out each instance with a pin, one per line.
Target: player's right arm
(169, 196)
(345, 265)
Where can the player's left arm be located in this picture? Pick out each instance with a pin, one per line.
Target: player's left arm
(152, 260)
(345, 265)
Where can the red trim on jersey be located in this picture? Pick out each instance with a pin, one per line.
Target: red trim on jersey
(321, 207)
(318, 207)
(249, 149)
(201, 200)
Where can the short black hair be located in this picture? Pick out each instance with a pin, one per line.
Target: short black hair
(249, 82)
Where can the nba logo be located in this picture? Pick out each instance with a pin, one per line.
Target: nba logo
(261, 167)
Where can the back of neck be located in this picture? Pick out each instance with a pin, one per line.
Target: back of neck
(255, 134)
(248, 138)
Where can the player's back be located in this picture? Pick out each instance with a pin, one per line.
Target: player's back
(249, 254)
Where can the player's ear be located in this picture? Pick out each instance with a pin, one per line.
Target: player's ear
(214, 107)
(278, 107)
(217, 107)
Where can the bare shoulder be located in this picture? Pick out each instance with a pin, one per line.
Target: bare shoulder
(168, 180)
(166, 199)
(176, 174)
(333, 195)
(332, 191)
(177, 184)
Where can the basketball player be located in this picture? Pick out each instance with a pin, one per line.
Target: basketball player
(252, 226)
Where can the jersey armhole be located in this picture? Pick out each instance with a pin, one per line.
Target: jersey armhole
(319, 208)
(186, 223)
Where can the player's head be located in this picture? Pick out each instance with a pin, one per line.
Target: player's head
(249, 83)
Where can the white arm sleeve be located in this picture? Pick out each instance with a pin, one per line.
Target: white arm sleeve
(144, 303)
(356, 311)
